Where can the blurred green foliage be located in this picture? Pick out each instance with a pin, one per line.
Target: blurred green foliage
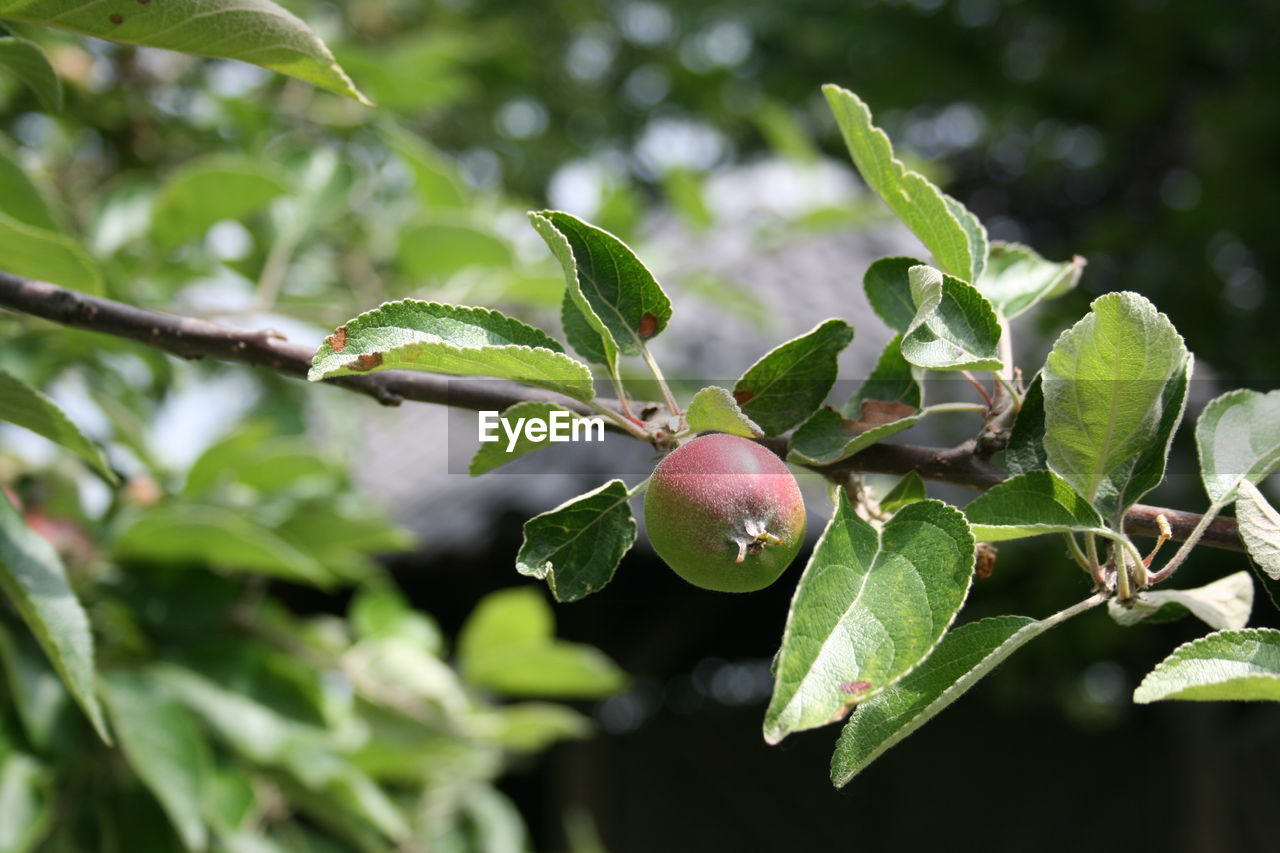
(1139, 134)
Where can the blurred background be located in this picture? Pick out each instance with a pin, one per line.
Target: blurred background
(299, 565)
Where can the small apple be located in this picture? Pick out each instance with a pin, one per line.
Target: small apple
(724, 513)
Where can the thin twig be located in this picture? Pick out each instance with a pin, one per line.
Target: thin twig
(191, 338)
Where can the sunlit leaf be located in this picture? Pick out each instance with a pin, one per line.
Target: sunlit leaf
(954, 327)
(1031, 504)
(965, 655)
(255, 31)
(1238, 436)
(1259, 526)
(713, 409)
(871, 605)
(459, 341)
(1114, 390)
(1224, 604)
(508, 645)
(1017, 277)
(1229, 666)
(957, 246)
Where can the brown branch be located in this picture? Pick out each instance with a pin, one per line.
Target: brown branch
(191, 338)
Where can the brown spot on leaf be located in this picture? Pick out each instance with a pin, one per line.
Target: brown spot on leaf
(855, 686)
(116, 19)
(338, 340)
(368, 361)
(877, 413)
(143, 2)
(648, 326)
(742, 396)
(986, 562)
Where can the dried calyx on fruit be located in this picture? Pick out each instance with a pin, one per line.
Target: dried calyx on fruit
(724, 513)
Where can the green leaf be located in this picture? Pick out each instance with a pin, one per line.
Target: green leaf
(382, 611)
(827, 437)
(253, 729)
(619, 301)
(164, 747)
(565, 670)
(1025, 451)
(790, 382)
(1259, 526)
(1238, 436)
(25, 406)
(1031, 504)
(32, 241)
(713, 409)
(27, 62)
(966, 654)
(976, 234)
(577, 546)
(518, 616)
(955, 327)
(219, 538)
(208, 191)
(253, 457)
(38, 695)
(533, 726)
(1227, 666)
(495, 453)
(26, 802)
(415, 335)
(922, 206)
(1224, 604)
(437, 250)
(1114, 391)
(508, 645)
(910, 489)
(435, 178)
(1017, 278)
(888, 290)
(255, 31)
(871, 605)
(892, 380)
(32, 578)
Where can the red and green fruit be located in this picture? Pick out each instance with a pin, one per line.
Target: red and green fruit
(724, 513)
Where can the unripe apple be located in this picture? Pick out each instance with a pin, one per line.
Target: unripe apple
(724, 513)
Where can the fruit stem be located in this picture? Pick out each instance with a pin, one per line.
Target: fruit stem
(1076, 554)
(1095, 568)
(662, 382)
(639, 487)
(1200, 528)
(983, 391)
(1121, 557)
(630, 425)
(943, 408)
